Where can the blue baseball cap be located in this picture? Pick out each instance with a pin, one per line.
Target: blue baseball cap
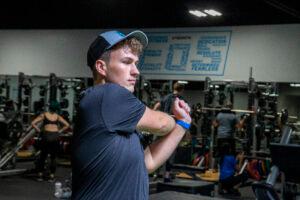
(107, 40)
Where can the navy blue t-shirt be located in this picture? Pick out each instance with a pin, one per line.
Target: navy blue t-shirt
(108, 158)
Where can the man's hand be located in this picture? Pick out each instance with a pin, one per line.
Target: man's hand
(181, 110)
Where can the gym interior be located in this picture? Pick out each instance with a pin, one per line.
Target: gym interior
(248, 68)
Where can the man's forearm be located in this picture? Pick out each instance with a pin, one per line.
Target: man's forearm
(158, 123)
(158, 152)
(168, 125)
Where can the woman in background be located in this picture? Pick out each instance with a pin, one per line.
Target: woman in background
(50, 131)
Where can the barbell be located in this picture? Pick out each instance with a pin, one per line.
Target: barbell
(258, 112)
(219, 109)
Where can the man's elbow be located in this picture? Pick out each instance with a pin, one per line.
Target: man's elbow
(166, 125)
(150, 168)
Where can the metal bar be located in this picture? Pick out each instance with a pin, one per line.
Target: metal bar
(258, 158)
(12, 172)
(286, 134)
(30, 133)
(272, 177)
(243, 167)
(233, 110)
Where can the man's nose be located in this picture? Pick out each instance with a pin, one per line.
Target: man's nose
(134, 70)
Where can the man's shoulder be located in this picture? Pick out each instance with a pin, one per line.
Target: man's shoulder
(102, 88)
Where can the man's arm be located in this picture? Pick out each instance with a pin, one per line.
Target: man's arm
(158, 152)
(156, 122)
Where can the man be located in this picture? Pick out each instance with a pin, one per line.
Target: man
(108, 159)
(226, 123)
(166, 103)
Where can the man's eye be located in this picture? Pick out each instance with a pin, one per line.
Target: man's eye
(126, 61)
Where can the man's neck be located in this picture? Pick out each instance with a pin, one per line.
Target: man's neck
(99, 81)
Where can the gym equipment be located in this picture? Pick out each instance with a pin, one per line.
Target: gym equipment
(25, 86)
(209, 175)
(4, 93)
(53, 85)
(11, 152)
(11, 128)
(78, 86)
(283, 157)
(171, 195)
(233, 110)
(64, 103)
(187, 186)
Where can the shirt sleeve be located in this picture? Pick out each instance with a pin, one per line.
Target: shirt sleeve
(121, 110)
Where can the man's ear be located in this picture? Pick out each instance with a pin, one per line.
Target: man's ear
(101, 67)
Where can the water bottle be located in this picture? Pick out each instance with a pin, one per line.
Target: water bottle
(58, 190)
(66, 193)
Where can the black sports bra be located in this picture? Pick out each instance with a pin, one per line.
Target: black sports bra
(47, 121)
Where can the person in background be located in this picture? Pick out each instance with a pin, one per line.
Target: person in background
(49, 133)
(230, 165)
(165, 105)
(108, 159)
(226, 123)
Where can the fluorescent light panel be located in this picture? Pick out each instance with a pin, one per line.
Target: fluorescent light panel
(197, 13)
(183, 82)
(295, 84)
(213, 12)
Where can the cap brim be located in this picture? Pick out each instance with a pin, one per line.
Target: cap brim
(139, 35)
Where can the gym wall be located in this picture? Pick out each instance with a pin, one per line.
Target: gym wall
(272, 50)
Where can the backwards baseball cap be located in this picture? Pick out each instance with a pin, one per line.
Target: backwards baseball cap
(107, 40)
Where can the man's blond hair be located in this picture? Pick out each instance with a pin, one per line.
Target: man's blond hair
(133, 44)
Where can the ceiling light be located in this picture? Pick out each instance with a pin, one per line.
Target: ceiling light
(197, 13)
(213, 12)
(295, 84)
(183, 82)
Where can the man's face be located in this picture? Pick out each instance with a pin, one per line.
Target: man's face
(122, 68)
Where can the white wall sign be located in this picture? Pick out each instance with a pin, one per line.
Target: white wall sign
(186, 53)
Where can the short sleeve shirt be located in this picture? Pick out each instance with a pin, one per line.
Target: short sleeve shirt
(108, 158)
(227, 122)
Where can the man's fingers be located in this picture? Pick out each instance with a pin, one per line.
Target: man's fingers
(185, 106)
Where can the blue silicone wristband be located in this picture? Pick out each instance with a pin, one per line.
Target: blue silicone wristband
(183, 124)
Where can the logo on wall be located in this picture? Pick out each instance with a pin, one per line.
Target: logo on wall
(193, 53)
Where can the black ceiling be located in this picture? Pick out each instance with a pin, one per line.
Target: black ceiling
(81, 14)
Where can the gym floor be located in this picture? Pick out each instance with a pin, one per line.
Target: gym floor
(23, 187)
